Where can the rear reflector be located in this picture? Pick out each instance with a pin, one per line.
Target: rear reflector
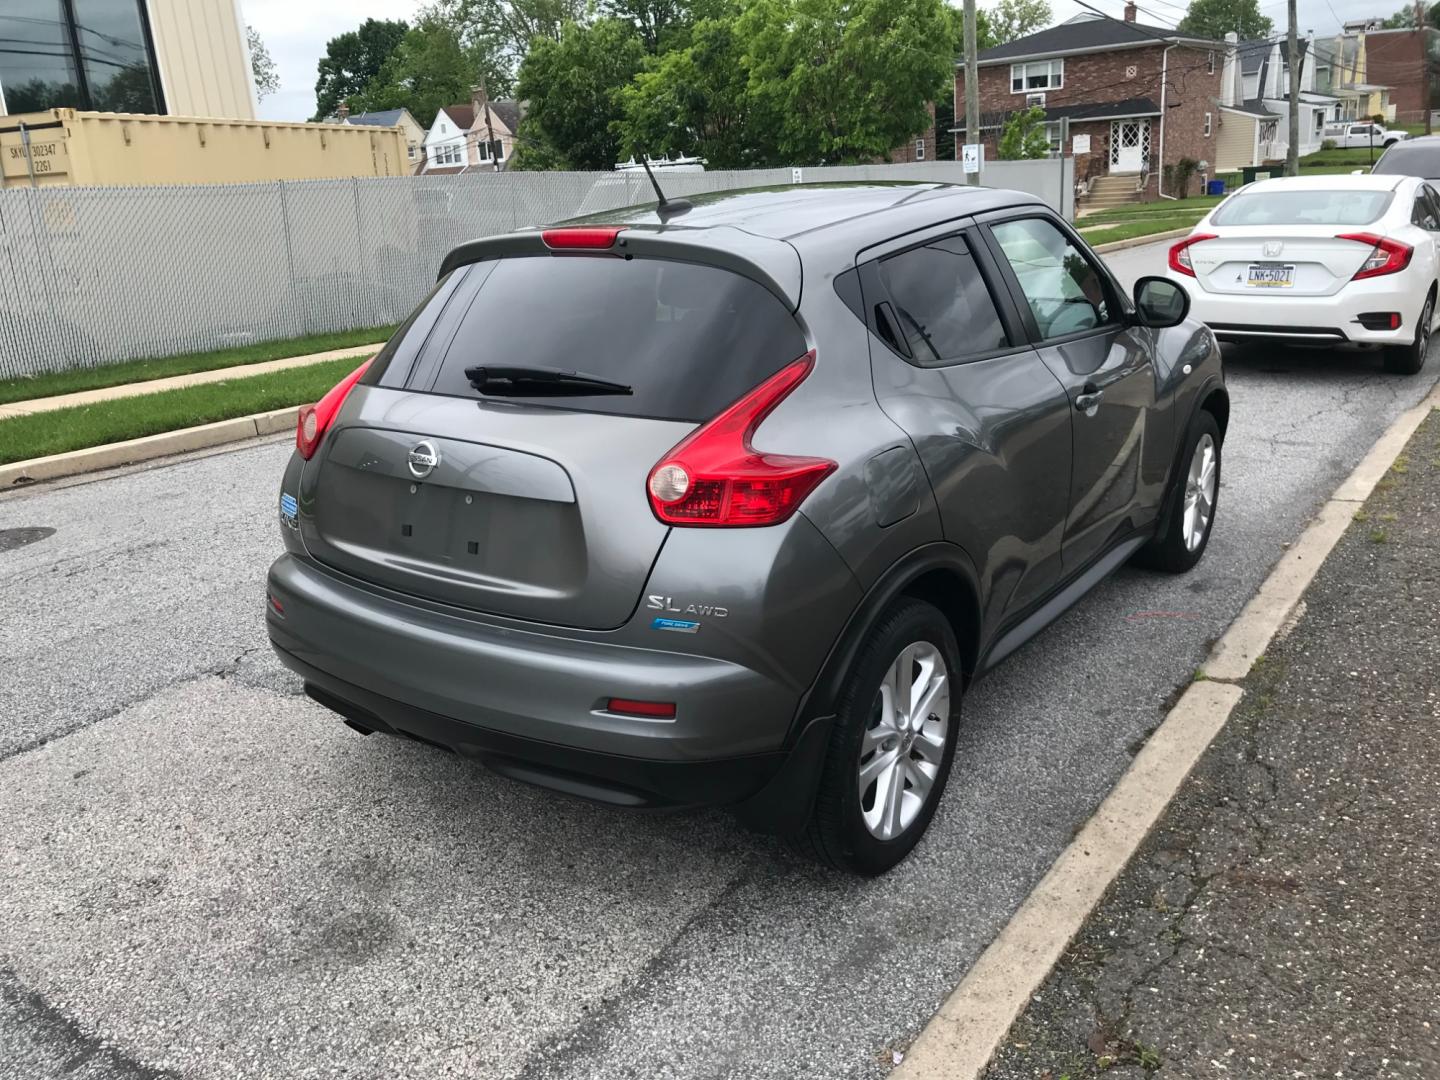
(591, 238)
(651, 710)
(314, 420)
(715, 478)
(1180, 255)
(1379, 320)
(1388, 257)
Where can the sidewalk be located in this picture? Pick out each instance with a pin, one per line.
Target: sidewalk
(198, 378)
(1283, 919)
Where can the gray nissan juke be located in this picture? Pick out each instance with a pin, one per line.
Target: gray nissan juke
(727, 503)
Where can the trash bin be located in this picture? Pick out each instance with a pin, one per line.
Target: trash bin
(1250, 173)
(1215, 187)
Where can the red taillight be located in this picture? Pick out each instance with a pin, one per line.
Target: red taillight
(1388, 257)
(591, 238)
(714, 477)
(1180, 255)
(651, 710)
(314, 420)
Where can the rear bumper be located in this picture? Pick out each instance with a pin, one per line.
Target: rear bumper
(476, 687)
(1315, 320)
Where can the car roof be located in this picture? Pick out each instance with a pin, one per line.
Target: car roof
(1327, 182)
(787, 211)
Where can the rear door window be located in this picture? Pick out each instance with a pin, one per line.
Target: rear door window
(687, 338)
(944, 309)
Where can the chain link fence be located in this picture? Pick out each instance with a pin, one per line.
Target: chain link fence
(93, 276)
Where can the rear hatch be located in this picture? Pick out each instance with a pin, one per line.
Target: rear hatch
(525, 505)
(1285, 241)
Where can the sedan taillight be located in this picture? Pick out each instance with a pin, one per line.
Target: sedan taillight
(1387, 257)
(1180, 254)
(314, 420)
(714, 476)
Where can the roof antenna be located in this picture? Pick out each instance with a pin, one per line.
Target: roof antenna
(668, 208)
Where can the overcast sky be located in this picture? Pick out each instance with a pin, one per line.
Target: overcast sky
(296, 31)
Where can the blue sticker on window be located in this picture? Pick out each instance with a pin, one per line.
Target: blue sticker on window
(680, 626)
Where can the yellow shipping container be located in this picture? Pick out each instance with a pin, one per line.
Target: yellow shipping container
(66, 147)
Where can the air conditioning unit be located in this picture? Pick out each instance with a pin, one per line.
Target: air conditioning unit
(1035, 99)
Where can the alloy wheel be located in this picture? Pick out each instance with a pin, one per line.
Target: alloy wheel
(1199, 492)
(902, 749)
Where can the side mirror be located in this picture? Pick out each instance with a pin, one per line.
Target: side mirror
(1160, 302)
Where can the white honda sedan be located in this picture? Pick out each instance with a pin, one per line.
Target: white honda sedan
(1319, 260)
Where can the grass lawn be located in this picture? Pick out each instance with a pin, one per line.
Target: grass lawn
(56, 432)
(70, 382)
(1163, 208)
(1128, 230)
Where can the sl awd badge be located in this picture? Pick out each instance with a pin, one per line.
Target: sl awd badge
(422, 459)
(681, 626)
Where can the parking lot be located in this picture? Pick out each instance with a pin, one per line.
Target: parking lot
(204, 874)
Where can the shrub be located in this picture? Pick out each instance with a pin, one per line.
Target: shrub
(1327, 144)
(1024, 136)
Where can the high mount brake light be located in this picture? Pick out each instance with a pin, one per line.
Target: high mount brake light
(1388, 257)
(582, 238)
(715, 478)
(1180, 255)
(314, 420)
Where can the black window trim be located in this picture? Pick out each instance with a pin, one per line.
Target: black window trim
(1119, 301)
(873, 292)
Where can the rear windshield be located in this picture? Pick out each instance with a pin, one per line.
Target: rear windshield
(689, 339)
(1302, 207)
(1402, 160)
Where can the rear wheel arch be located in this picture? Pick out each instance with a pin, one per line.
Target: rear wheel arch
(939, 573)
(1217, 404)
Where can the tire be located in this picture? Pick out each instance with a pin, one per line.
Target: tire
(1409, 359)
(1184, 540)
(850, 829)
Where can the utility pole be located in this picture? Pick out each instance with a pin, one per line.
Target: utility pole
(972, 84)
(1421, 29)
(1292, 153)
(490, 138)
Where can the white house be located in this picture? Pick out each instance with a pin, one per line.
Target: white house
(448, 145)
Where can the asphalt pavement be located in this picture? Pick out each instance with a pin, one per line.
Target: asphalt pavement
(206, 875)
(1282, 920)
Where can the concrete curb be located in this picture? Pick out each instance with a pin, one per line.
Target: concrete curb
(1141, 241)
(963, 1035)
(146, 449)
(176, 382)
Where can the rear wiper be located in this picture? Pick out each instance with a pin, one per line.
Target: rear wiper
(540, 382)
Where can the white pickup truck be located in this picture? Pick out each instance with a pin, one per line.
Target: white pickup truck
(1361, 133)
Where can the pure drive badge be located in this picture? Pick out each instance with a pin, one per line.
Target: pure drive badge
(679, 626)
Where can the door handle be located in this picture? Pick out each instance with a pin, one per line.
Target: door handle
(1089, 398)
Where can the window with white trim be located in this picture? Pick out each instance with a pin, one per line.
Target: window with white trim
(1210, 62)
(1052, 133)
(919, 149)
(1037, 75)
(1208, 119)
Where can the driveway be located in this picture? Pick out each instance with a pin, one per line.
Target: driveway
(206, 875)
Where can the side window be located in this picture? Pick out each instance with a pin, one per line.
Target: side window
(943, 307)
(1063, 289)
(1432, 201)
(1424, 212)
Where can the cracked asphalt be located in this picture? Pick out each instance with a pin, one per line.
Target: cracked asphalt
(205, 875)
(1282, 919)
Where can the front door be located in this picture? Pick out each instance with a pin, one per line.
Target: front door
(1121, 446)
(1129, 145)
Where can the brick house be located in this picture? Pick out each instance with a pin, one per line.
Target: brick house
(1409, 60)
(1146, 96)
(920, 148)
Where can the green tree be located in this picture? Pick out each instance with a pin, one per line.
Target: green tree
(659, 22)
(352, 60)
(431, 68)
(697, 100)
(507, 29)
(1011, 19)
(1024, 136)
(1215, 18)
(845, 80)
(573, 88)
(1404, 19)
(262, 65)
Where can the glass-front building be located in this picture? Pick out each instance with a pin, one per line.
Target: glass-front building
(80, 54)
